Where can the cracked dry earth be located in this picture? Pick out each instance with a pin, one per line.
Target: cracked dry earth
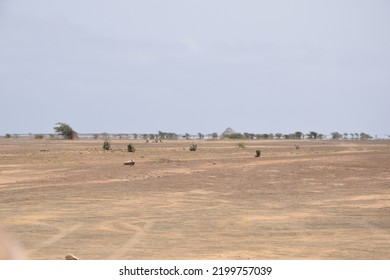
(327, 200)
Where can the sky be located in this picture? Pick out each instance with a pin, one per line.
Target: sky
(123, 66)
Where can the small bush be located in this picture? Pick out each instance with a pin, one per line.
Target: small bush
(106, 145)
(130, 148)
(193, 147)
(258, 153)
(241, 145)
(39, 136)
(8, 135)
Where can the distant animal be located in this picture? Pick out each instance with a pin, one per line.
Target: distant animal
(130, 162)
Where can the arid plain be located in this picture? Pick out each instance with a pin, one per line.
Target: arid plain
(326, 200)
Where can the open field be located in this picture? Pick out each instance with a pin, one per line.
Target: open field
(327, 200)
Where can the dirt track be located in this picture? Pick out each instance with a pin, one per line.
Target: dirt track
(327, 200)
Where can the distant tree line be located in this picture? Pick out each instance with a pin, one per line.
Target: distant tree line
(352, 136)
(299, 135)
(66, 132)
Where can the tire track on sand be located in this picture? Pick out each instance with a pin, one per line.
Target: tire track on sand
(63, 232)
(136, 238)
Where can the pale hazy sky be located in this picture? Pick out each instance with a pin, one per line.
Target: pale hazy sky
(195, 66)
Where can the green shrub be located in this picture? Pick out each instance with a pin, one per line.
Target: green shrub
(8, 135)
(193, 147)
(130, 148)
(106, 145)
(258, 153)
(39, 136)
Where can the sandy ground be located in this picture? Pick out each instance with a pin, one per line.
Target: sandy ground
(327, 200)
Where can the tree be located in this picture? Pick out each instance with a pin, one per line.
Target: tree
(214, 135)
(336, 135)
(235, 136)
(278, 135)
(200, 135)
(65, 131)
(312, 135)
(298, 135)
(172, 135)
(161, 135)
(365, 136)
(248, 135)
